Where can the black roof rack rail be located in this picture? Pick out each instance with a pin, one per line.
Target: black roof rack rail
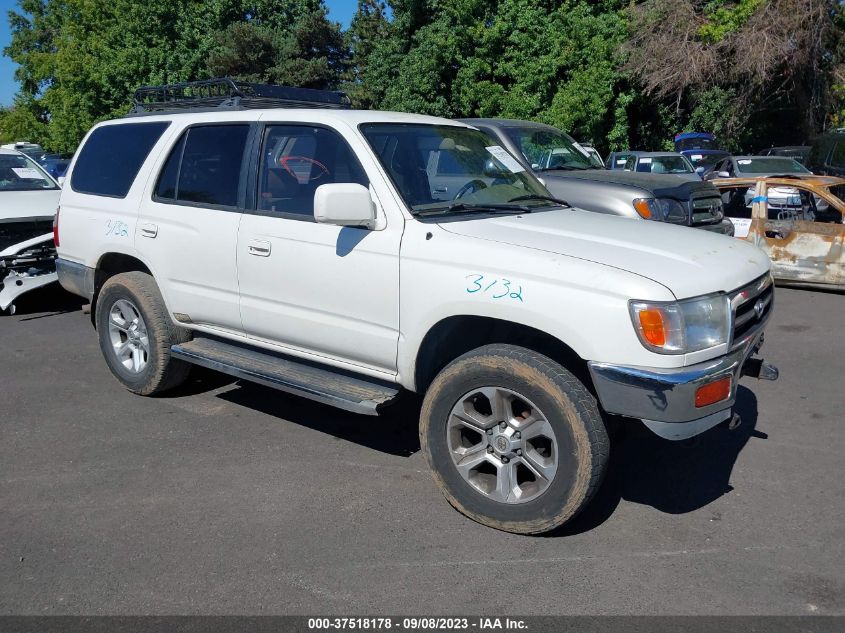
(226, 93)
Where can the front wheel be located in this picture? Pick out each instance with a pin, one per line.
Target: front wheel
(136, 333)
(514, 440)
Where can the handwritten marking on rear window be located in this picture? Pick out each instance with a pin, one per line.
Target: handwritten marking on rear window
(496, 288)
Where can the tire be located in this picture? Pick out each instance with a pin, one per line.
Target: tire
(130, 316)
(558, 439)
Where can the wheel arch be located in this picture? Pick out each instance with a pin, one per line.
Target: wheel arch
(456, 335)
(111, 264)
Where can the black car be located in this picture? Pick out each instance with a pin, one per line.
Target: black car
(827, 154)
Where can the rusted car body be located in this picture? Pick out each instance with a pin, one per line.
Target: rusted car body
(802, 228)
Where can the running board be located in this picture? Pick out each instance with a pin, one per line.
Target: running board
(329, 386)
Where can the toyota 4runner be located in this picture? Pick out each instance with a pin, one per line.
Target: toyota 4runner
(304, 246)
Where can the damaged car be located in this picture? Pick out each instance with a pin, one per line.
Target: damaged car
(28, 201)
(803, 234)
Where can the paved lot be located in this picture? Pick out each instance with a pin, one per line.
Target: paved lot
(232, 498)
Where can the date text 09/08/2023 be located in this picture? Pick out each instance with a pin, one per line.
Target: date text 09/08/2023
(417, 624)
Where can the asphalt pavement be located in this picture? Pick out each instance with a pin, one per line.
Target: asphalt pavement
(230, 498)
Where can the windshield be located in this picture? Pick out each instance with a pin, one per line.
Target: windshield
(21, 173)
(696, 143)
(770, 165)
(665, 165)
(435, 166)
(548, 149)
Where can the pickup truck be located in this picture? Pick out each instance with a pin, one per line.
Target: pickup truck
(286, 239)
(568, 173)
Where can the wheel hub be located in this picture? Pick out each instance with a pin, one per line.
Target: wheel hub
(502, 444)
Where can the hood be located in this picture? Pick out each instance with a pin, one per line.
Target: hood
(28, 205)
(668, 185)
(688, 262)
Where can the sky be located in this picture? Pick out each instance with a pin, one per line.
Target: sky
(339, 11)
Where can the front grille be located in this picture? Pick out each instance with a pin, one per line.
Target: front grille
(12, 233)
(707, 210)
(751, 306)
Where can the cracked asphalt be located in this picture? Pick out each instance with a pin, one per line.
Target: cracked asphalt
(230, 498)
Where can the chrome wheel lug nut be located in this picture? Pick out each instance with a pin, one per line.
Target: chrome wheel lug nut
(489, 449)
(503, 426)
(505, 460)
(517, 435)
(489, 431)
(519, 451)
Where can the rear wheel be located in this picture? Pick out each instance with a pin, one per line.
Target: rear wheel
(514, 440)
(136, 333)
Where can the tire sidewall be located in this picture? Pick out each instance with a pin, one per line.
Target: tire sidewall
(112, 292)
(565, 494)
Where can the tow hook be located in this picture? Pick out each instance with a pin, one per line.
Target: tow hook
(758, 368)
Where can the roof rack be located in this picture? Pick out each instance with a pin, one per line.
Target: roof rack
(226, 93)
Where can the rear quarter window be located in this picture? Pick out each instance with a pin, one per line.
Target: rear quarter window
(111, 157)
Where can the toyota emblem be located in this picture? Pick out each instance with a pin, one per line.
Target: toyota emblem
(759, 307)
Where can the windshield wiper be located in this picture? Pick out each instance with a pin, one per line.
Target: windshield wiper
(463, 207)
(534, 196)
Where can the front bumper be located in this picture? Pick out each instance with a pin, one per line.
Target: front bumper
(25, 267)
(664, 399)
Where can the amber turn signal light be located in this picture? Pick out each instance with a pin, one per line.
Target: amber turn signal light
(713, 392)
(654, 330)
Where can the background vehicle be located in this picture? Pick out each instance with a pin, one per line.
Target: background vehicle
(28, 201)
(827, 154)
(804, 241)
(700, 148)
(671, 163)
(33, 150)
(798, 152)
(347, 255)
(569, 175)
(54, 164)
(756, 166)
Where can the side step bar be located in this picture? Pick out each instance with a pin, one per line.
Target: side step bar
(329, 386)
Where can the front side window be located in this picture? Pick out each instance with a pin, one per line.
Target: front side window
(476, 173)
(548, 149)
(112, 156)
(295, 160)
(204, 167)
(21, 173)
(837, 156)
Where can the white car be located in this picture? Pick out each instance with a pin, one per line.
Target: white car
(346, 256)
(28, 201)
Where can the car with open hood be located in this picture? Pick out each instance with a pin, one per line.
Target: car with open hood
(28, 200)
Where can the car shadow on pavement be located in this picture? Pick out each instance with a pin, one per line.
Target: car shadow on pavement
(672, 477)
(48, 301)
(394, 432)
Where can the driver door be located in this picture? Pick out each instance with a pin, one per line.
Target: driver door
(316, 289)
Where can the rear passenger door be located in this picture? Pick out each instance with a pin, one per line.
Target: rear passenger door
(188, 226)
(316, 289)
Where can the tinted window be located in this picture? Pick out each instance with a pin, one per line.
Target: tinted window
(110, 159)
(205, 166)
(837, 156)
(295, 160)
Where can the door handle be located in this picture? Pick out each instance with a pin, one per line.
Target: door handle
(149, 230)
(259, 248)
(440, 190)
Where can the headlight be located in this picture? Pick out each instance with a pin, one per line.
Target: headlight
(661, 209)
(683, 326)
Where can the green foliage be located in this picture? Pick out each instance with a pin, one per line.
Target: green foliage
(726, 17)
(585, 66)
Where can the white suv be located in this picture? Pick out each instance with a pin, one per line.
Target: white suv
(348, 255)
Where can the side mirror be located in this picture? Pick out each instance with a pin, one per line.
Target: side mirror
(699, 170)
(724, 174)
(61, 181)
(344, 204)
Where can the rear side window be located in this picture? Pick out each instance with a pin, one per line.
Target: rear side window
(204, 167)
(111, 157)
(837, 156)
